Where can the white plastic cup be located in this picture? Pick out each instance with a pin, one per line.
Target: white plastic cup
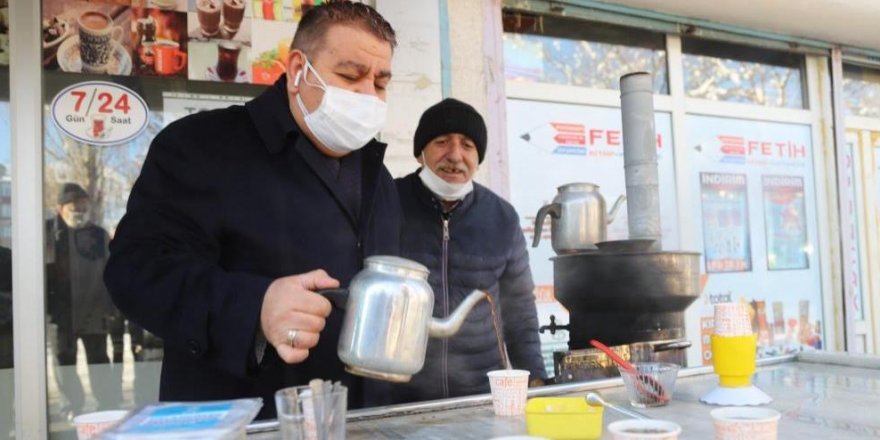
(746, 423)
(732, 319)
(89, 425)
(644, 429)
(509, 391)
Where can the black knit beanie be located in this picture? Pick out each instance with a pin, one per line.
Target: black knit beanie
(450, 116)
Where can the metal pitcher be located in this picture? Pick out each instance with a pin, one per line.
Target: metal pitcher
(579, 219)
(388, 319)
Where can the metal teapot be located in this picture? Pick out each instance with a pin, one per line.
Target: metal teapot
(388, 319)
(579, 219)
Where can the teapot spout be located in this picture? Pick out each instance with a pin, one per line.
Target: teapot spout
(444, 328)
(613, 212)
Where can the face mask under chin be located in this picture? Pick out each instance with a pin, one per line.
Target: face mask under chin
(444, 190)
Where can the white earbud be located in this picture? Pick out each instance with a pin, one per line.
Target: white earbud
(297, 77)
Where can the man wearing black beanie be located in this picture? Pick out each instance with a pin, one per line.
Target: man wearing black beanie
(469, 238)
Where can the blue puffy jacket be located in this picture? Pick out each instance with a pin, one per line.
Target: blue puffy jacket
(477, 245)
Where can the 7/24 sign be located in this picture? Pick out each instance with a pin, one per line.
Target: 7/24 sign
(100, 113)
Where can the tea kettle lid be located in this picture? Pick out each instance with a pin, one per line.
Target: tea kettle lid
(578, 186)
(396, 262)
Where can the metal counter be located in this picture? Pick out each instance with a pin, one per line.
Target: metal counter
(820, 395)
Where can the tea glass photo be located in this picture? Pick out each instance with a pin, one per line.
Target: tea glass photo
(169, 59)
(227, 59)
(96, 37)
(297, 417)
(509, 391)
(99, 126)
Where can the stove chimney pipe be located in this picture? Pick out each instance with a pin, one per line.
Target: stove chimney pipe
(640, 157)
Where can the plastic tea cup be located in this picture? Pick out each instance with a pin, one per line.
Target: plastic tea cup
(509, 391)
(746, 423)
(644, 429)
(89, 425)
(296, 413)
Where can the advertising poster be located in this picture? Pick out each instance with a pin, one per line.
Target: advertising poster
(733, 163)
(219, 40)
(165, 5)
(725, 207)
(269, 50)
(159, 42)
(785, 222)
(87, 36)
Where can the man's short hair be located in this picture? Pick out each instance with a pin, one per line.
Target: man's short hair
(317, 21)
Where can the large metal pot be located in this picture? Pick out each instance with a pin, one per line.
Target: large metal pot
(625, 297)
(578, 218)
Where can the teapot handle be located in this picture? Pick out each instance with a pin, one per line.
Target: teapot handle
(554, 209)
(337, 297)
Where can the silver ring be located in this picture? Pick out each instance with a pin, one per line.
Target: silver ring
(291, 337)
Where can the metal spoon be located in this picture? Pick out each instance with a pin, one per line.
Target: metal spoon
(596, 400)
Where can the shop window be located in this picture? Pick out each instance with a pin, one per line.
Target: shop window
(861, 91)
(100, 178)
(735, 73)
(566, 51)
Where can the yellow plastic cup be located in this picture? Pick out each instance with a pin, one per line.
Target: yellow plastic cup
(563, 418)
(734, 359)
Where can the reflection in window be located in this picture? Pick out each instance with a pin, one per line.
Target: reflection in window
(558, 50)
(861, 91)
(735, 73)
(98, 359)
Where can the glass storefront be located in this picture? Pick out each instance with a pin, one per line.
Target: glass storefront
(745, 188)
(736, 73)
(558, 50)
(861, 88)
(96, 358)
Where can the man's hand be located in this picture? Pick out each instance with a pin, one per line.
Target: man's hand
(291, 307)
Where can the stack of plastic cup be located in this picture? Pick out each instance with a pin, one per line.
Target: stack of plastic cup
(734, 348)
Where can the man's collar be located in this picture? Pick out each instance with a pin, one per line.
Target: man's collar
(270, 112)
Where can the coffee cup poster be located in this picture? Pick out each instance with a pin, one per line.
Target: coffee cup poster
(87, 37)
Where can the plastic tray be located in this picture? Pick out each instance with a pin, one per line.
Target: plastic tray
(563, 418)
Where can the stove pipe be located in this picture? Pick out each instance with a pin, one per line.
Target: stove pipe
(640, 157)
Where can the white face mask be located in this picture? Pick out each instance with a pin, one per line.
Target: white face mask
(446, 191)
(345, 121)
